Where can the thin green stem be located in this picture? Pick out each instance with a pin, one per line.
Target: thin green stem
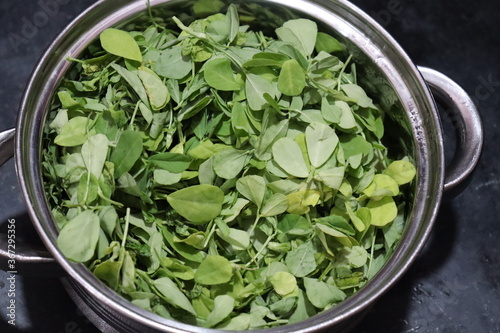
(254, 225)
(342, 72)
(131, 125)
(264, 247)
(371, 254)
(325, 272)
(125, 232)
(210, 227)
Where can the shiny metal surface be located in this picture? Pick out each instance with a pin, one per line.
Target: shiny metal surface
(467, 123)
(388, 72)
(29, 260)
(6, 145)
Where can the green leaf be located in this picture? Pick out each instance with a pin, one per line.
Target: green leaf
(156, 90)
(184, 250)
(240, 123)
(127, 152)
(173, 64)
(301, 201)
(340, 236)
(78, 238)
(233, 18)
(356, 256)
(354, 145)
(239, 239)
(381, 186)
(67, 102)
(109, 271)
(165, 177)
(322, 294)
(218, 30)
(178, 268)
(108, 219)
(87, 189)
(228, 163)
(295, 225)
(214, 270)
(347, 120)
(275, 205)
(223, 307)
(120, 43)
(253, 188)
(301, 33)
(238, 323)
(285, 186)
(356, 221)
(284, 283)
(128, 273)
(288, 155)
(330, 112)
(206, 149)
(292, 79)
(207, 7)
(206, 173)
(393, 231)
(73, 133)
(59, 121)
(358, 94)
(266, 59)
(94, 154)
(337, 222)
(199, 203)
(321, 142)
(268, 137)
(304, 309)
(301, 261)
(402, 171)
(196, 240)
(331, 177)
(383, 211)
(194, 107)
(107, 125)
(134, 81)
(328, 44)
(173, 295)
(255, 87)
(173, 162)
(219, 74)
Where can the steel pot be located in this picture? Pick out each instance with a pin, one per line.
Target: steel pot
(387, 71)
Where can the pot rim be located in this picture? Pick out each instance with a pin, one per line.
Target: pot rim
(362, 30)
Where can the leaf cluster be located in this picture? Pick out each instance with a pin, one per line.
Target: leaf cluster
(221, 177)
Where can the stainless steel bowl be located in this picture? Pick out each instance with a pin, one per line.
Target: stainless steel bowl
(387, 72)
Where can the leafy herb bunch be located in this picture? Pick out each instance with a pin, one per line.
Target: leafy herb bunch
(221, 177)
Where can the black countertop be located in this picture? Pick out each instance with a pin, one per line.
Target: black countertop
(454, 285)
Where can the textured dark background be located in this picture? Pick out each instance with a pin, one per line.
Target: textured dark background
(454, 286)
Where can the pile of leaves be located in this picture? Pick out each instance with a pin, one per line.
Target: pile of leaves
(222, 177)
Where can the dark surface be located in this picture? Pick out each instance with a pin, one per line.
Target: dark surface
(454, 286)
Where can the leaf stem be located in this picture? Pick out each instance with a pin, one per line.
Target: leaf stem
(151, 17)
(342, 71)
(127, 222)
(131, 125)
(371, 254)
(211, 226)
(326, 271)
(254, 225)
(264, 246)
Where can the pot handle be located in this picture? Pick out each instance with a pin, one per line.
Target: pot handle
(6, 145)
(22, 258)
(468, 127)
